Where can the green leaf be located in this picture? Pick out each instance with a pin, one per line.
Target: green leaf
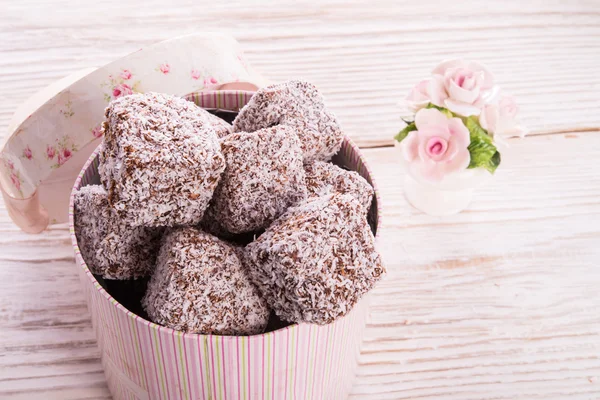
(482, 150)
(443, 110)
(493, 163)
(431, 105)
(474, 128)
(404, 132)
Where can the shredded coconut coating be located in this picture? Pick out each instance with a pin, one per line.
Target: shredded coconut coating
(297, 104)
(222, 128)
(316, 261)
(324, 178)
(161, 160)
(200, 286)
(264, 176)
(111, 248)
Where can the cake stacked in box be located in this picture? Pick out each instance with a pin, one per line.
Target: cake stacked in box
(231, 225)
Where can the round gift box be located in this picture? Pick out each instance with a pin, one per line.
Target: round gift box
(143, 360)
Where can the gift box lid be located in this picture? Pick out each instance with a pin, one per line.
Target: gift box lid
(54, 132)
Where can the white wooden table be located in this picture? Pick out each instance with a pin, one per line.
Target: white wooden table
(499, 302)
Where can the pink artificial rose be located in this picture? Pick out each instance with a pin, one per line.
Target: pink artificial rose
(50, 152)
(438, 147)
(126, 74)
(121, 89)
(97, 131)
(165, 68)
(195, 74)
(15, 180)
(418, 96)
(460, 86)
(501, 119)
(27, 153)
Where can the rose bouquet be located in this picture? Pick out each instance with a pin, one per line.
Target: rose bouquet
(461, 116)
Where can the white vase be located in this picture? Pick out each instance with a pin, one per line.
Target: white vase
(449, 196)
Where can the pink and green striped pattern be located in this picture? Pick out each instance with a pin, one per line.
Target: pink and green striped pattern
(231, 100)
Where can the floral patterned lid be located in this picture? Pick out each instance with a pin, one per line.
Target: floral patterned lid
(54, 133)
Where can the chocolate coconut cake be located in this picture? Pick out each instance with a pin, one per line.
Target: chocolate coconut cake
(299, 105)
(264, 176)
(221, 127)
(170, 169)
(200, 286)
(324, 178)
(112, 248)
(161, 160)
(316, 261)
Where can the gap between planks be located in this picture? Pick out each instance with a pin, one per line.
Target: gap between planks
(569, 133)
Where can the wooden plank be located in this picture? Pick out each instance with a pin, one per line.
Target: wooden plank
(365, 59)
(498, 302)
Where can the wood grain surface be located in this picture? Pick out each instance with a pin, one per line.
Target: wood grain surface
(498, 302)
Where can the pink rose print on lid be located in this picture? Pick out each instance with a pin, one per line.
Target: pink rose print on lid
(27, 153)
(50, 152)
(97, 131)
(126, 74)
(438, 147)
(120, 90)
(64, 150)
(15, 181)
(196, 74)
(64, 156)
(210, 81)
(164, 68)
(120, 85)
